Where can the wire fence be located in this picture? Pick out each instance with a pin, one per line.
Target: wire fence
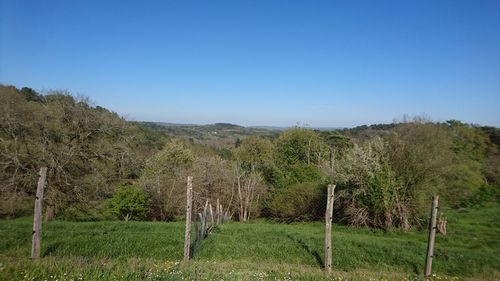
(204, 222)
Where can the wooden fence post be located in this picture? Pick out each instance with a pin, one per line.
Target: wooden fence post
(432, 235)
(37, 218)
(189, 206)
(328, 228)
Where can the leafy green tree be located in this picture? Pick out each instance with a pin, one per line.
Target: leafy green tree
(299, 145)
(129, 203)
(299, 155)
(86, 149)
(472, 167)
(252, 158)
(255, 153)
(302, 201)
(31, 95)
(174, 156)
(164, 178)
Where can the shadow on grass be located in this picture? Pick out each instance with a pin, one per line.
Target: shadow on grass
(308, 249)
(51, 249)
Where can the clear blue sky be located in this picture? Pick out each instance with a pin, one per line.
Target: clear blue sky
(324, 63)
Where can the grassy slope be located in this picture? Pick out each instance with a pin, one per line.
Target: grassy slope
(257, 250)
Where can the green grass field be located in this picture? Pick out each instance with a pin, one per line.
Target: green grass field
(258, 250)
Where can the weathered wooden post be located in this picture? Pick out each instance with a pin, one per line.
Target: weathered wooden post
(189, 206)
(37, 218)
(328, 228)
(432, 235)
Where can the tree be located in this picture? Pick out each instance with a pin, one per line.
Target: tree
(249, 184)
(253, 156)
(299, 155)
(385, 181)
(255, 153)
(214, 181)
(86, 149)
(31, 95)
(299, 145)
(164, 179)
(129, 203)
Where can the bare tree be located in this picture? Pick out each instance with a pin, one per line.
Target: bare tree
(249, 184)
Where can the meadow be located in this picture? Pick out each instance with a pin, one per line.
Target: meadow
(256, 250)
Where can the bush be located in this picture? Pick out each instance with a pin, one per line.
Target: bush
(86, 213)
(129, 203)
(303, 201)
(377, 189)
(483, 195)
(17, 206)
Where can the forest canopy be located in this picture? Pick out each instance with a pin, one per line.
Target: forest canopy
(101, 166)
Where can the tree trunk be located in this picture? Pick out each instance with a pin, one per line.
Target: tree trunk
(49, 213)
(240, 199)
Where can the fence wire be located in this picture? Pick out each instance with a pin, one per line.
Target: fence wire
(203, 222)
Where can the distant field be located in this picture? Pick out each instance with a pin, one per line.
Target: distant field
(258, 250)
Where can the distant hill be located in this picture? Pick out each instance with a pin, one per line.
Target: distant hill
(226, 135)
(279, 128)
(219, 135)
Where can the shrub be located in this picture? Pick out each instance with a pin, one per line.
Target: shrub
(303, 201)
(86, 213)
(483, 195)
(18, 205)
(129, 203)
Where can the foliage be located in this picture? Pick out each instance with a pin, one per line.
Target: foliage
(299, 153)
(80, 212)
(481, 197)
(299, 145)
(302, 201)
(215, 180)
(493, 134)
(472, 168)
(382, 180)
(255, 153)
(164, 177)
(218, 136)
(172, 157)
(369, 192)
(129, 203)
(85, 148)
(385, 173)
(252, 158)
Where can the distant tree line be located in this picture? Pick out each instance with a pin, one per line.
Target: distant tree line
(103, 167)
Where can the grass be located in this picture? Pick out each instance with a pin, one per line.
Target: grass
(259, 250)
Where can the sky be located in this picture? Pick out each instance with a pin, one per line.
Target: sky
(261, 62)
